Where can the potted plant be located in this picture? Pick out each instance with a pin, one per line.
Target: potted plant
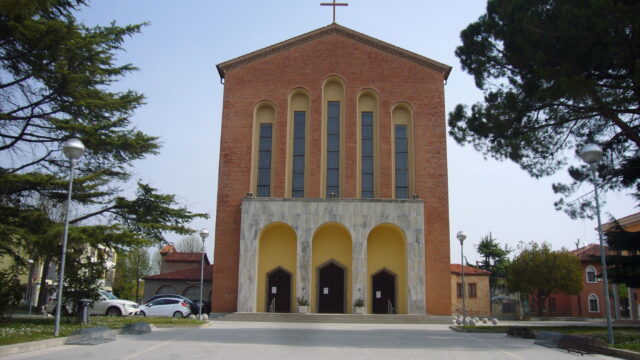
(303, 304)
(359, 306)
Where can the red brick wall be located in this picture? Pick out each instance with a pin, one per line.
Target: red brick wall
(361, 67)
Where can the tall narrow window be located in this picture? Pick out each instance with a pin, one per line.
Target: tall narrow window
(297, 185)
(333, 148)
(402, 162)
(367, 154)
(264, 161)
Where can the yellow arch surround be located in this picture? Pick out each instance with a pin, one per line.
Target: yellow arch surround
(263, 112)
(298, 101)
(277, 247)
(386, 250)
(331, 242)
(402, 114)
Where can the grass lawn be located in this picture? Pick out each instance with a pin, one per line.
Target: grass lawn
(625, 338)
(24, 329)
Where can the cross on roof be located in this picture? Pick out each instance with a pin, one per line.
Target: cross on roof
(334, 4)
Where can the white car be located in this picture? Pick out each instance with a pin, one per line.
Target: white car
(166, 307)
(107, 304)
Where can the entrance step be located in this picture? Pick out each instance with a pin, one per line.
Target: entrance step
(336, 318)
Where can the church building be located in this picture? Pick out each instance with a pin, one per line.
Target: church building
(333, 179)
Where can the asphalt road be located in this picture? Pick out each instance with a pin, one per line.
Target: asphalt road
(284, 341)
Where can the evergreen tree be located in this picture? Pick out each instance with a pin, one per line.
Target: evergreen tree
(556, 75)
(55, 84)
(494, 258)
(623, 263)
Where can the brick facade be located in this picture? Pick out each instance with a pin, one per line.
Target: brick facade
(307, 64)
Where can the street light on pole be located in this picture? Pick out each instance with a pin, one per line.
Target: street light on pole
(461, 237)
(73, 149)
(203, 234)
(592, 154)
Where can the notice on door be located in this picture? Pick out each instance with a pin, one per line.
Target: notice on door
(378, 294)
(274, 290)
(325, 290)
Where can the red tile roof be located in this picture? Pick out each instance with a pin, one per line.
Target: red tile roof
(468, 270)
(186, 257)
(167, 249)
(588, 252)
(184, 274)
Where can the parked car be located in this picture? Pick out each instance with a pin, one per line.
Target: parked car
(178, 308)
(107, 304)
(192, 304)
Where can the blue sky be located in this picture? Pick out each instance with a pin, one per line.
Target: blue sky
(179, 49)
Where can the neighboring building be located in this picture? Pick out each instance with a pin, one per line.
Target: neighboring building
(180, 274)
(504, 304)
(330, 141)
(477, 302)
(590, 302)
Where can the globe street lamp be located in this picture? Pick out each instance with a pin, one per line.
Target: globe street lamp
(461, 237)
(592, 154)
(73, 149)
(203, 234)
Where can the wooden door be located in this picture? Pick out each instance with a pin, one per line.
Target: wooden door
(384, 292)
(279, 291)
(331, 281)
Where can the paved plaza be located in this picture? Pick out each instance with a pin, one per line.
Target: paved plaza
(283, 341)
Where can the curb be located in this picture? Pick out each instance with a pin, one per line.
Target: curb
(481, 331)
(13, 349)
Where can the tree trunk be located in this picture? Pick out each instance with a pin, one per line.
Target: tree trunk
(43, 295)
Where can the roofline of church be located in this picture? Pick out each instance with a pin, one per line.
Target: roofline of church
(333, 28)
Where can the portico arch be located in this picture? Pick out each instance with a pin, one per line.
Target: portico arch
(276, 254)
(331, 256)
(387, 263)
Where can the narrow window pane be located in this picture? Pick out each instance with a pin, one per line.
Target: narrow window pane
(367, 147)
(332, 178)
(367, 182)
(264, 160)
(401, 178)
(298, 182)
(263, 191)
(333, 142)
(333, 147)
(367, 154)
(367, 165)
(402, 193)
(401, 145)
(298, 146)
(402, 161)
(297, 188)
(298, 164)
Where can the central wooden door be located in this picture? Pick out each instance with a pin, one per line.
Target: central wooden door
(384, 293)
(331, 289)
(279, 291)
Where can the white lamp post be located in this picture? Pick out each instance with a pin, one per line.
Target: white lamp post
(30, 284)
(592, 154)
(461, 237)
(73, 149)
(203, 234)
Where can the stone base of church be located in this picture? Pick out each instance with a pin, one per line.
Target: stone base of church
(332, 253)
